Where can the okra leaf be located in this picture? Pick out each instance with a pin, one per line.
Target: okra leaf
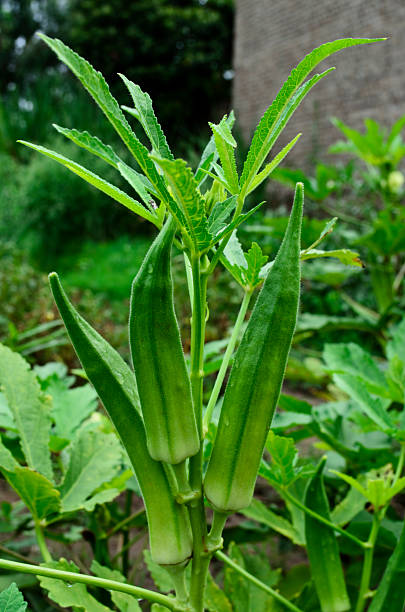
(215, 600)
(325, 562)
(348, 508)
(90, 143)
(6, 417)
(255, 260)
(147, 118)
(97, 87)
(235, 223)
(95, 180)
(379, 488)
(30, 410)
(36, 491)
(7, 461)
(244, 267)
(210, 154)
(70, 407)
(351, 359)
(346, 256)
(219, 214)
(257, 511)
(12, 600)
(69, 595)
(160, 575)
(137, 182)
(95, 459)
(396, 344)
(271, 166)
(282, 470)
(285, 103)
(123, 601)
(390, 594)
(225, 144)
(374, 407)
(189, 199)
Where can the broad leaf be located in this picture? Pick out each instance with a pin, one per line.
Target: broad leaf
(95, 84)
(255, 260)
(30, 410)
(225, 144)
(95, 458)
(285, 103)
(36, 491)
(283, 460)
(69, 595)
(123, 601)
(12, 600)
(70, 407)
(348, 508)
(7, 461)
(257, 511)
(396, 345)
(352, 359)
(95, 180)
(190, 201)
(147, 118)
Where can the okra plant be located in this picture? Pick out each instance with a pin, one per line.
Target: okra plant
(157, 406)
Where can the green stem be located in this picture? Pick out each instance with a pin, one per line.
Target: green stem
(196, 507)
(323, 520)
(126, 521)
(364, 592)
(400, 465)
(225, 362)
(125, 536)
(130, 543)
(16, 555)
(178, 575)
(73, 577)
(220, 555)
(46, 555)
(217, 527)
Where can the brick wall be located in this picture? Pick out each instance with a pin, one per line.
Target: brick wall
(272, 36)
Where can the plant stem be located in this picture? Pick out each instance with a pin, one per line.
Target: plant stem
(200, 560)
(125, 522)
(324, 520)
(400, 465)
(125, 536)
(73, 577)
(46, 555)
(217, 527)
(225, 361)
(16, 555)
(220, 555)
(364, 592)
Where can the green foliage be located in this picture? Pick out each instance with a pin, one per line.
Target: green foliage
(11, 600)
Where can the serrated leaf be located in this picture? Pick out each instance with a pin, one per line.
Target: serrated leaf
(102, 497)
(225, 143)
(94, 459)
(348, 508)
(137, 182)
(160, 575)
(90, 143)
(147, 118)
(210, 154)
(36, 491)
(215, 600)
(286, 102)
(255, 260)
(396, 344)
(12, 600)
(95, 180)
(352, 359)
(219, 215)
(260, 513)
(346, 256)
(7, 461)
(70, 407)
(189, 199)
(374, 407)
(69, 595)
(97, 87)
(283, 459)
(271, 166)
(123, 601)
(30, 411)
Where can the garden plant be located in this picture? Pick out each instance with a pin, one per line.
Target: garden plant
(185, 458)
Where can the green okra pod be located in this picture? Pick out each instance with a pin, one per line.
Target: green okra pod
(169, 527)
(157, 355)
(256, 377)
(323, 549)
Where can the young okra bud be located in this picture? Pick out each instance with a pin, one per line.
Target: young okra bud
(169, 526)
(257, 374)
(157, 355)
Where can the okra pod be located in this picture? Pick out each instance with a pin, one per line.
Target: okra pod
(169, 527)
(158, 359)
(323, 549)
(255, 380)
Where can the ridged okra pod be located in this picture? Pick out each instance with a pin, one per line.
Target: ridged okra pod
(169, 527)
(157, 355)
(323, 549)
(255, 380)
